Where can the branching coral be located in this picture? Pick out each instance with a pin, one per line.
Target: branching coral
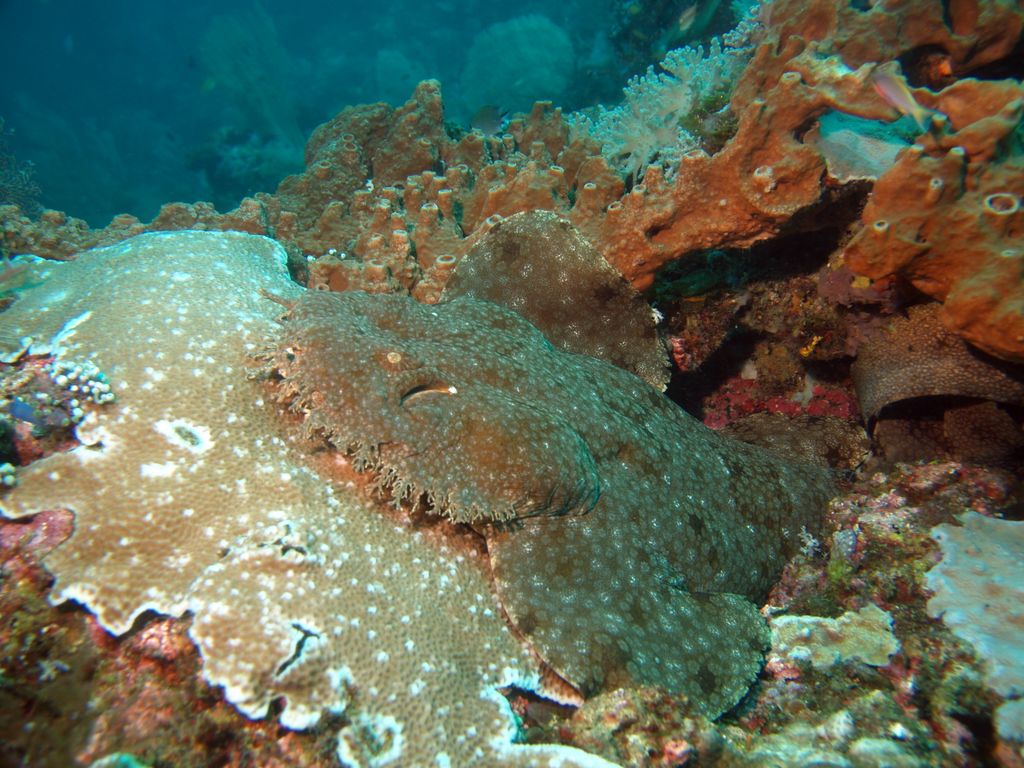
(17, 185)
(655, 122)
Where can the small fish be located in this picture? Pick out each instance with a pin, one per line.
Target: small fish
(13, 278)
(686, 18)
(489, 119)
(23, 411)
(896, 94)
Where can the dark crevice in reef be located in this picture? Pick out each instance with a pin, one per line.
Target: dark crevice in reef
(781, 258)
(983, 730)
(299, 647)
(689, 390)
(713, 277)
(1011, 66)
(539, 716)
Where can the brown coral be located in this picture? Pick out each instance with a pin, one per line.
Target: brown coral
(916, 357)
(948, 216)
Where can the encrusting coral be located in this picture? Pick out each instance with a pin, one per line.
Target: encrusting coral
(977, 592)
(188, 495)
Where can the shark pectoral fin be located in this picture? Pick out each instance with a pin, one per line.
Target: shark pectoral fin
(709, 647)
(599, 629)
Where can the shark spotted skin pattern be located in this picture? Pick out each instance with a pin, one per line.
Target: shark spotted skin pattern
(628, 543)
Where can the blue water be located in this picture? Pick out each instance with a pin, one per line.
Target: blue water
(122, 106)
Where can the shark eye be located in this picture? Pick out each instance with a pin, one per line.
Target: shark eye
(426, 390)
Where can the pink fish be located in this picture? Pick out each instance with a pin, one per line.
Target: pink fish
(896, 94)
(686, 18)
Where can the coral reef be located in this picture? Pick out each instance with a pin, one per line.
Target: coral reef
(864, 636)
(303, 591)
(427, 512)
(765, 171)
(948, 215)
(83, 696)
(663, 112)
(917, 363)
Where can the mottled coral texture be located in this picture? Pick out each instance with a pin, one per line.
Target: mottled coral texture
(915, 356)
(539, 265)
(188, 495)
(916, 362)
(978, 593)
(628, 542)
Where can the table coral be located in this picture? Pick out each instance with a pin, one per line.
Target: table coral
(628, 542)
(187, 495)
